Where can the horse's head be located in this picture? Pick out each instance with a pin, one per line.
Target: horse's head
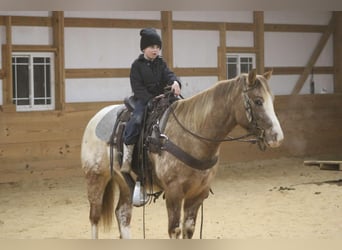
(259, 117)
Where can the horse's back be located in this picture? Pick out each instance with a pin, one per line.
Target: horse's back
(96, 135)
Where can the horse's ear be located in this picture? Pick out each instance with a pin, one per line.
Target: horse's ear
(251, 77)
(268, 74)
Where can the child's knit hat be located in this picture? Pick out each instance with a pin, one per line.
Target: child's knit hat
(149, 36)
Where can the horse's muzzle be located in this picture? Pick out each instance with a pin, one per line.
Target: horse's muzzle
(274, 138)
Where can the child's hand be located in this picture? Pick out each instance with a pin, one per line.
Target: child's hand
(175, 88)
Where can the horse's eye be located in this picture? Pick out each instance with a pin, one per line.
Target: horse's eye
(258, 102)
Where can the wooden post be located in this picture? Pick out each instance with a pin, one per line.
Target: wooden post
(259, 42)
(58, 43)
(7, 64)
(315, 54)
(221, 53)
(338, 52)
(167, 37)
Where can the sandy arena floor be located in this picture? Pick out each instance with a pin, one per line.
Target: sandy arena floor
(256, 200)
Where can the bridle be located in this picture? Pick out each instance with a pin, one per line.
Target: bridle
(257, 131)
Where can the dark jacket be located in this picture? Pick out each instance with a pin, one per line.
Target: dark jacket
(149, 78)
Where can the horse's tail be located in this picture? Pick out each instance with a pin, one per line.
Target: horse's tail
(108, 206)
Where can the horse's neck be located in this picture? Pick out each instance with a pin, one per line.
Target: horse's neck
(210, 113)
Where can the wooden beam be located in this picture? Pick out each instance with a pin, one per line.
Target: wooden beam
(7, 63)
(240, 26)
(294, 28)
(58, 43)
(27, 21)
(241, 50)
(298, 70)
(338, 52)
(96, 73)
(167, 37)
(196, 71)
(188, 25)
(34, 48)
(221, 53)
(320, 46)
(259, 41)
(31, 21)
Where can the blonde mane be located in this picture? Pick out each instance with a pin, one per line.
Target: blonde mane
(195, 108)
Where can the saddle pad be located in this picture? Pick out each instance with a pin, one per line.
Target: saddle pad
(105, 126)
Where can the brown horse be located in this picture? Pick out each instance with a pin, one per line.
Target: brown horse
(197, 126)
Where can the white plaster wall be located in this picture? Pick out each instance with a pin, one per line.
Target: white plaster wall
(194, 85)
(101, 47)
(239, 39)
(295, 49)
(195, 48)
(96, 90)
(284, 84)
(32, 35)
(26, 13)
(297, 17)
(145, 15)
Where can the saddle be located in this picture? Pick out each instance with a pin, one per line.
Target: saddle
(147, 141)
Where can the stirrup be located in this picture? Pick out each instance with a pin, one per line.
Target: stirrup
(140, 197)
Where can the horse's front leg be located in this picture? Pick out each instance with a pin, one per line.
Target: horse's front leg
(191, 207)
(173, 204)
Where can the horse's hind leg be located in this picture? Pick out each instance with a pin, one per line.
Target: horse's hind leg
(96, 185)
(124, 208)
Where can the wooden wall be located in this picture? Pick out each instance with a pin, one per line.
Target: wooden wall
(47, 144)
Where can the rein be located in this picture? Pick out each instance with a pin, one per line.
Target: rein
(229, 138)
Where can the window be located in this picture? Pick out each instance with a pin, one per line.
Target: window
(33, 81)
(239, 63)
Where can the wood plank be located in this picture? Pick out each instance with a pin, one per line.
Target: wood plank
(31, 21)
(241, 50)
(88, 106)
(96, 73)
(58, 42)
(294, 28)
(7, 64)
(240, 26)
(259, 41)
(167, 36)
(313, 58)
(298, 70)
(196, 71)
(31, 152)
(325, 165)
(34, 48)
(337, 53)
(192, 25)
(221, 53)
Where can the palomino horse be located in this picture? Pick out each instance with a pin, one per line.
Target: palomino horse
(197, 126)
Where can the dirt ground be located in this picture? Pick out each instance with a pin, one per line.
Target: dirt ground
(272, 199)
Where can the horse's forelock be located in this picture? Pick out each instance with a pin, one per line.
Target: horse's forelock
(262, 81)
